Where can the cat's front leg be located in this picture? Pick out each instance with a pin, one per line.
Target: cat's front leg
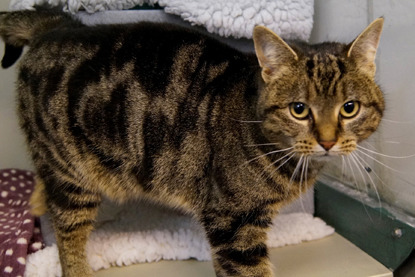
(238, 243)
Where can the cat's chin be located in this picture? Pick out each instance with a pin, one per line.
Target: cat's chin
(324, 157)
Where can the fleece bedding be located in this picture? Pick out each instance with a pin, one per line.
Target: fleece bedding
(145, 232)
(291, 19)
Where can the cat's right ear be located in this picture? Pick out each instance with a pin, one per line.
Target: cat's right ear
(273, 53)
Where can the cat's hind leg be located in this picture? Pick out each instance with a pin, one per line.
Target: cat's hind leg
(73, 210)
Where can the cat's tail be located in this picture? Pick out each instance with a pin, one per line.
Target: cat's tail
(20, 28)
(38, 199)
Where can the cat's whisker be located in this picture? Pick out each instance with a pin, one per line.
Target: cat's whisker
(273, 163)
(384, 155)
(357, 186)
(267, 154)
(250, 121)
(261, 144)
(304, 169)
(297, 168)
(370, 145)
(292, 154)
(386, 141)
(352, 172)
(379, 162)
(246, 121)
(357, 183)
(362, 167)
(289, 158)
(306, 176)
(393, 142)
(380, 179)
(400, 191)
(360, 160)
(343, 168)
(397, 121)
(359, 169)
(302, 172)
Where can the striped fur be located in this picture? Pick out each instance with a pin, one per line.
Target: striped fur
(165, 113)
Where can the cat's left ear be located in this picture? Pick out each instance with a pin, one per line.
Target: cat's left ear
(363, 48)
(273, 53)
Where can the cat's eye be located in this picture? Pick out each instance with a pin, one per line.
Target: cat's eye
(299, 110)
(350, 109)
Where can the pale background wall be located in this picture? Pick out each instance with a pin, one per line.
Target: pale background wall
(12, 148)
(336, 20)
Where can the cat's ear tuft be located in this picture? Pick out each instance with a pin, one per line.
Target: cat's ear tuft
(363, 48)
(273, 53)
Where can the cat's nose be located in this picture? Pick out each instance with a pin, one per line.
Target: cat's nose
(327, 145)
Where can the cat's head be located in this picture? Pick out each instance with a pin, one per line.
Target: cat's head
(320, 99)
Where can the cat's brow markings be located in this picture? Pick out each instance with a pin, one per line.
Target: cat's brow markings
(325, 70)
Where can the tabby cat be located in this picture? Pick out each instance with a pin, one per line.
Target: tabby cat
(167, 114)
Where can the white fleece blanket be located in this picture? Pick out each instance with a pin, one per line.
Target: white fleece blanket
(144, 232)
(291, 19)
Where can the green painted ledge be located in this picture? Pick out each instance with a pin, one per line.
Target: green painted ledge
(384, 232)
